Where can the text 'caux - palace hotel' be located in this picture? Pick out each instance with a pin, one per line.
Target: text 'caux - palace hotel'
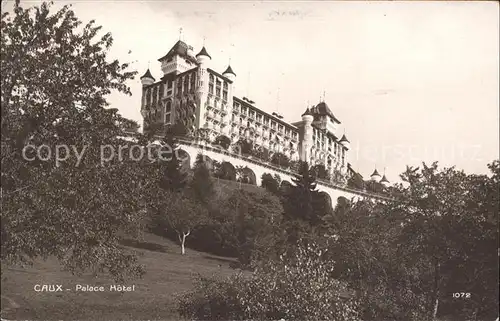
(199, 97)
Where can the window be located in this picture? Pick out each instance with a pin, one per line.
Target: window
(168, 109)
(217, 92)
(244, 110)
(162, 89)
(212, 78)
(211, 89)
(218, 83)
(224, 95)
(225, 85)
(170, 59)
(169, 83)
(148, 96)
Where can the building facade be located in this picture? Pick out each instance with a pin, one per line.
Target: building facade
(193, 94)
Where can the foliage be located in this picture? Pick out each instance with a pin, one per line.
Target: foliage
(201, 183)
(225, 170)
(55, 78)
(321, 172)
(270, 183)
(244, 146)
(245, 175)
(222, 141)
(263, 153)
(281, 160)
(356, 181)
(271, 293)
(374, 187)
(173, 178)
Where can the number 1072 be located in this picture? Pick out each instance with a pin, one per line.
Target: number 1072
(465, 295)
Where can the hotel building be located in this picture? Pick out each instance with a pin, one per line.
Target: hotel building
(192, 93)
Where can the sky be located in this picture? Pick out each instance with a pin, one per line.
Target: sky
(411, 82)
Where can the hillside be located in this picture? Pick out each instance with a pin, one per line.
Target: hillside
(167, 273)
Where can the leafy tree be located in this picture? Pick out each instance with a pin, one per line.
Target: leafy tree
(458, 237)
(321, 172)
(222, 141)
(263, 153)
(255, 212)
(244, 146)
(270, 183)
(281, 160)
(202, 183)
(225, 170)
(55, 77)
(178, 212)
(356, 181)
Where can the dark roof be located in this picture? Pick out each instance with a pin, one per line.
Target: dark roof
(203, 52)
(278, 120)
(375, 173)
(219, 75)
(229, 70)
(344, 139)
(384, 179)
(322, 109)
(307, 112)
(181, 49)
(148, 75)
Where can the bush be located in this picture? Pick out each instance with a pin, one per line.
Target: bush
(271, 293)
(280, 159)
(222, 141)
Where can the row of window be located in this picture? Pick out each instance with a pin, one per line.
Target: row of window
(254, 115)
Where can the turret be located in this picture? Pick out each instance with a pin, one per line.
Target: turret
(384, 181)
(307, 138)
(203, 57)
(345, 142)
(375, 176)
(147, 79)
(229, 73)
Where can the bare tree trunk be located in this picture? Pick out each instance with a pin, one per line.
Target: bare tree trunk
(436, 289)
(183, 241)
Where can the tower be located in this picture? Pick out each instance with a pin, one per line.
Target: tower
(307, 137)
(346, 145)
(384, 181)
(147, 79)
(203, 59)
(375, 176)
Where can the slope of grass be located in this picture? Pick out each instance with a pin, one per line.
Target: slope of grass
(167, 274)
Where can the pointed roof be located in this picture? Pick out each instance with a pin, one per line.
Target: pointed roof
(322, 109)
(180, 48)
(203, 52)
(229, 70)
(375, 173)
(307, 112)
(344, 139)
(384, 179)
(148, 75)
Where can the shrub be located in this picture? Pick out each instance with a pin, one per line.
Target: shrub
(280, 159)
(222, 141)
(272, 293)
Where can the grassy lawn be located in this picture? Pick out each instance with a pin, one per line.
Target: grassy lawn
(167, 274)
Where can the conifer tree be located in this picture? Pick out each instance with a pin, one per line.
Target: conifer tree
(172, 178)
(202, 184)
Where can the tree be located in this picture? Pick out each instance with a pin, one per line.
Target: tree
(225, 170)
(202, 183)
(321, 172)
(270, 183)
(222, 141)
(281, 160)
(182, 215)
(244, 146)
(458, 237)
(356, 182)
(304, 208)
(55, 77)
(173, 178)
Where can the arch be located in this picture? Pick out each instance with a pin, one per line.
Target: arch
(226, 170)
(247, 175)
(328, 199)
(185, 159)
